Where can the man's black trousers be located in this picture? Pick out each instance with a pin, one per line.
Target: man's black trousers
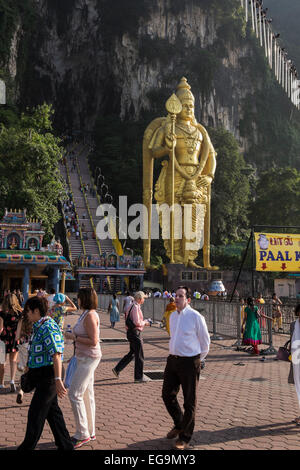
(184, 371)
(44, 406)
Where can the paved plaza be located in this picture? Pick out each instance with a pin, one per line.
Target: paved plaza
(244, 403)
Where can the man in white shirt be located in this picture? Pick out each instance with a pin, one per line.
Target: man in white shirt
(189, 345)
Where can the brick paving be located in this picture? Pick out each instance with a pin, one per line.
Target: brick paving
(244, 403)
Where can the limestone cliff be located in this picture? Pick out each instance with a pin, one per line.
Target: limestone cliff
(87, 64)
(97, 57)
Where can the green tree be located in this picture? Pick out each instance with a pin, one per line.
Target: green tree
(230, 191)
(277, 199)
(29, 175)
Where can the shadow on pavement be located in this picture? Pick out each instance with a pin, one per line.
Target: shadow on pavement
(203, 437)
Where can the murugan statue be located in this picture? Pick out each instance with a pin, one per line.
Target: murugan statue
(184, 182)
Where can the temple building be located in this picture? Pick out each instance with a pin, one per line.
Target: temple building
(24, 263)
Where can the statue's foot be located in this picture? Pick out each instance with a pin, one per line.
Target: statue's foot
(211, 268)
(178, 260)
(192, 264)
(151, 267)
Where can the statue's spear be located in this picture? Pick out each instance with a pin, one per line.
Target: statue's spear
(174, 107)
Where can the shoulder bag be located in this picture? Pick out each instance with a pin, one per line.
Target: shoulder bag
(128, 321)
(73, 361)
(70, 371)
(284, 352)
(27, 382)
(2, 352)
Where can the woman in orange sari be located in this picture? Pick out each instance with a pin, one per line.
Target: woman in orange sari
(170, 308)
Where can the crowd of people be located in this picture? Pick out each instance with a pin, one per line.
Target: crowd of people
(260, 302)
(34, 337)
(71, 218)
(70, 214)
(87, 189)
(168, 294)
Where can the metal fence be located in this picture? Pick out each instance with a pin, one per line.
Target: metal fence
(224, 319)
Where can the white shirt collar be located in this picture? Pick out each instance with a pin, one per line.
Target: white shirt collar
(182, 311)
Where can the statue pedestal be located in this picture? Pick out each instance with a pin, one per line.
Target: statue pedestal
(181, 275)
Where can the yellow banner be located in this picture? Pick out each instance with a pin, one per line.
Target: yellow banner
(277, 252)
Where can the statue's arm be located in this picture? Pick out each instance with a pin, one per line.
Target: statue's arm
(211, 164)
(159, 145)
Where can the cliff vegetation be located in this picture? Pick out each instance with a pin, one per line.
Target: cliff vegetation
(109, 71)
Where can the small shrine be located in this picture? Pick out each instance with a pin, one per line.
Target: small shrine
(24, 263)
(18, 233)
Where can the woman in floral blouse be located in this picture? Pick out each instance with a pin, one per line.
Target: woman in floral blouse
(60, 309)
(9, 319)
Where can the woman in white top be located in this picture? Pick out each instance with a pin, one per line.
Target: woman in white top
(88, 354)
(50, 297)
(294, 375)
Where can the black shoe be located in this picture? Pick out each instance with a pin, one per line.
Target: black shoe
(173, 433)
(19, 399)
(13, 388)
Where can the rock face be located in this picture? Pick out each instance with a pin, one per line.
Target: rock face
(93, 57)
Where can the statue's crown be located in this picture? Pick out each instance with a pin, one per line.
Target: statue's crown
(184, 90)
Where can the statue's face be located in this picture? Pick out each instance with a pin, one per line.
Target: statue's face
(187, 112)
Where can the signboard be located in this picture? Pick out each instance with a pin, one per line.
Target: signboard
(277, 252)
(2, 92)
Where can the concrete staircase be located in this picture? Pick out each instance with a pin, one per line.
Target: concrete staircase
(75, 245)
(90, 207)
(75, 173)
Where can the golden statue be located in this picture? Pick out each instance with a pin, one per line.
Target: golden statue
(184, 183)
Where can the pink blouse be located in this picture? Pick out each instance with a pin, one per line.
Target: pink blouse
(79, 330)
(136, 316)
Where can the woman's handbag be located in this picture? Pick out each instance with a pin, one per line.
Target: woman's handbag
(284, 352)
(2, 352)
(70, 371)
(27, 384)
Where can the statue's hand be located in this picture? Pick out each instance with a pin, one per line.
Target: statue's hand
(170, 140)
(205, 180)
